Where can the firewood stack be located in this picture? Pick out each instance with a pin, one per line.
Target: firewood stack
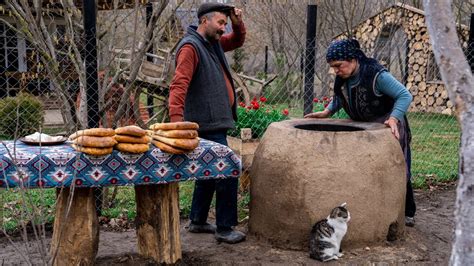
(408, 28)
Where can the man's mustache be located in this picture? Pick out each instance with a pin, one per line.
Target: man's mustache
(220, 32)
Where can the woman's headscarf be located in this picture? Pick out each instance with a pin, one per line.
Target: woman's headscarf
(344, 50)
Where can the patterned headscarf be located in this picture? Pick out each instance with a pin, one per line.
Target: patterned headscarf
(343, 50)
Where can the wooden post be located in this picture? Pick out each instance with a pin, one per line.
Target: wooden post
(157, 222)
(75, 235)
(265, 69)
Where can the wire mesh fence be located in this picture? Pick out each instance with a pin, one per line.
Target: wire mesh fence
(397, 37)
(44, 81)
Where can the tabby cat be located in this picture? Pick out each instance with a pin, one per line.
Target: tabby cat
(327, 234)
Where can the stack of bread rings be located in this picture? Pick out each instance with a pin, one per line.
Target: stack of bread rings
(176, 137)
(94, 141)
(132, 139)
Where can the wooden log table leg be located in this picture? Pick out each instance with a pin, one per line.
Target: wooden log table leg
(157, 222)
(76, 235)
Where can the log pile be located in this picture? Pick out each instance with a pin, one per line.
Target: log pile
(428, 95)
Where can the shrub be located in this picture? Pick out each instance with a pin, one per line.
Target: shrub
(24, 110)
(257, 116)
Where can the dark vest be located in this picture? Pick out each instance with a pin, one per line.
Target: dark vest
(207, 99)
(364, 104)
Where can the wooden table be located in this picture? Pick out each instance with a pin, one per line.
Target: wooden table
(154, 175)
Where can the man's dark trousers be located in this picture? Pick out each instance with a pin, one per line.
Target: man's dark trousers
(226, 193)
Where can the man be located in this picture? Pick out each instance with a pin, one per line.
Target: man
(202, 91)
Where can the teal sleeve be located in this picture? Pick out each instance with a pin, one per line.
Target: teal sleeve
(334, 105)
(388, 85)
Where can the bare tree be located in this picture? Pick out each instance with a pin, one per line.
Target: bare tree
(459, 82)
(61, 52)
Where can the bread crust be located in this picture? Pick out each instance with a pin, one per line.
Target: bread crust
(95, 142)
(132, 147)
(132, 139)
(185, 144)
(131, 131)
(97, 132)
(175, 125)
(167, 148)
(92, 150)
(178, 134)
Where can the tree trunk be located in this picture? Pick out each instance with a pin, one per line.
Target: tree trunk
(459, 82)
(76, 234)
(157, 222)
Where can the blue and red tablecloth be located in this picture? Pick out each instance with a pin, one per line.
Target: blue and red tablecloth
(61, 165)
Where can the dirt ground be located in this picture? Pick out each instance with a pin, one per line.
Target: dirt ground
(429, 242)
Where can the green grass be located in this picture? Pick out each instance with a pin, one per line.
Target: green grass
(123, 205)
(21, 205)
(435, 148)
(26, 205)
(185, 198)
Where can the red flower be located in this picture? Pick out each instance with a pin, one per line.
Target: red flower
(249, 107)
(315, 100)
(326, 105)
(254, 99)
(253, 104)
(325, 99)
(285, 112)
(242, 104)
(263, 99)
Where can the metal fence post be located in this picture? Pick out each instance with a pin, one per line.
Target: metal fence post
(92, 86)
(90, 59)
(310, 58)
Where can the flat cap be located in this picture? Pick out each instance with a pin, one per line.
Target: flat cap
(211, 7)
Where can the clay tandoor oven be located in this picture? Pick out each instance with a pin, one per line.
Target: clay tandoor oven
(304, 168)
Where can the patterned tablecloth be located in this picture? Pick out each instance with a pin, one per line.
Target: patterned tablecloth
(61, 165)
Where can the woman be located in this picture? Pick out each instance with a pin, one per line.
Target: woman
(369, 93)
